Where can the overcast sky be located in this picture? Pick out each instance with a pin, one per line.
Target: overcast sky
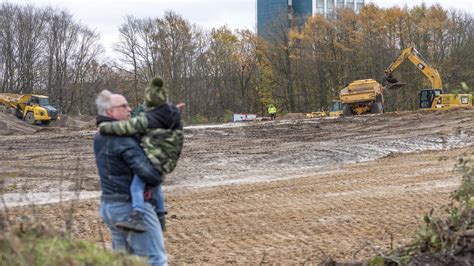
(105, 16)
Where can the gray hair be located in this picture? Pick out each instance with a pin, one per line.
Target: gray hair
(103, 102)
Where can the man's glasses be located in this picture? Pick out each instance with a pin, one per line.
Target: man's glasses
(125, 105)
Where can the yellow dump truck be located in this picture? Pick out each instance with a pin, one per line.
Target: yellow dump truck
(361, 97)
(30, 107)
(7, 103)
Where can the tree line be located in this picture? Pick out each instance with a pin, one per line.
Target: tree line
(220, 72)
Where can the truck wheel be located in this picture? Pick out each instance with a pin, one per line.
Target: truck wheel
(18, 113)
(11, 111)
(45, 122)
(30, 118)
(347, 111)
(376, 108)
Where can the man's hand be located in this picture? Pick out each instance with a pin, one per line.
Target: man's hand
(181, 106)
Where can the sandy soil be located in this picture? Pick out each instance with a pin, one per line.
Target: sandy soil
(285, 191)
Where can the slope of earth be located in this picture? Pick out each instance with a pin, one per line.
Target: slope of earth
(11, 125)
(54, 158)
(335, 184)
(334, 213)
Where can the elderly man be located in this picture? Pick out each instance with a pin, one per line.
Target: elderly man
(118, 159)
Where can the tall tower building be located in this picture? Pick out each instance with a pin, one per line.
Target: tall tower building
(279, 15)
(274, 15)
(328, 7)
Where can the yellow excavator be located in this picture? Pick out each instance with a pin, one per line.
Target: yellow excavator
(432, 98)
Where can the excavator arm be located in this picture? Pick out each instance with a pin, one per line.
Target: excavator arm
(416, 58)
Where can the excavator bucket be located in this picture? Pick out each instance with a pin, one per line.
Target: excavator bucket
(390, 82)
(392, 86)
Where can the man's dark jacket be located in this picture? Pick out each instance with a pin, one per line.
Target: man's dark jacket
(162, 135)
(117, 159)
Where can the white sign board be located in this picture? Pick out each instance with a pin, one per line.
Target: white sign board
(244, 117)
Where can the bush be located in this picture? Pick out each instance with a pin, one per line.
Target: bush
(35, 247)
(199, 119)
(449, 240)
(228, 116)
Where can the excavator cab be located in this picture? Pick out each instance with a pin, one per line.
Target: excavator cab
(427, 97)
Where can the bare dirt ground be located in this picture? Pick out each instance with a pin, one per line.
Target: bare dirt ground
(285, 191)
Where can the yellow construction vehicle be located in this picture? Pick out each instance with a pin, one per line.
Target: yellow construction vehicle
(432, 98)
(334, 110)
(362, 96)
(7, 103)
(316, 114)
(30, 107)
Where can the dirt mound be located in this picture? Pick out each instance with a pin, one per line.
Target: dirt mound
(11, 125)
(76, 122)
(337, 184)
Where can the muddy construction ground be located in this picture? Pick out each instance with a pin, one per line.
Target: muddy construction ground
(293, 190)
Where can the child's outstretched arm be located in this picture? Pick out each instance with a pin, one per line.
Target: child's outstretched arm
(136, 125)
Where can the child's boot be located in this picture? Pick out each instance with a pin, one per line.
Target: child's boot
(161, 218)
(135, 222)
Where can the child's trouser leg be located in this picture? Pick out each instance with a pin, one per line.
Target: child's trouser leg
(135, 221)
(160, 206)
(137, 188)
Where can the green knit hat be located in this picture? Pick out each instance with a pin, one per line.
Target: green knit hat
(155, 93)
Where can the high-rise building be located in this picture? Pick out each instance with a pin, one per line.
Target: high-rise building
(273, 15)
(328, 7)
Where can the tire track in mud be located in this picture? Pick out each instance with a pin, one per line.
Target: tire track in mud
(47, 162)
(294, 221)
(332, 208)
(241, 153)
(274, 150)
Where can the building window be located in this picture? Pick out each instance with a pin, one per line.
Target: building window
(359, 4)
(330, 6)
(350, 4)
(320, 6)
(339, 3)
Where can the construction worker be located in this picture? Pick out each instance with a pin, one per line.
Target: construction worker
(272, 111)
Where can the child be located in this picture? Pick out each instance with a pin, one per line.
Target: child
(162, 140)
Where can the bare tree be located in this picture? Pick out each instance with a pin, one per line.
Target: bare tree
(128, 47)
(45, 51)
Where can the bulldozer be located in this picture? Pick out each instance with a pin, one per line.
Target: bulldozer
(32, 108)
(431, 98)
(361, 97)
